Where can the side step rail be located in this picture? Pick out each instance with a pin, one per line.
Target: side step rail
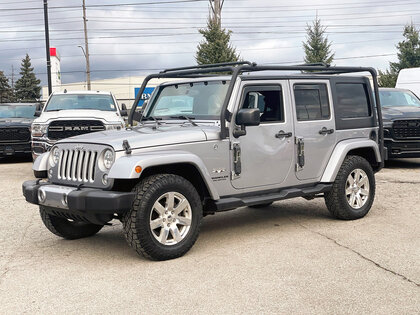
(229, 203)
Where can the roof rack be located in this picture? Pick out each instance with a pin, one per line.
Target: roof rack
(237, 68)
(237, 63)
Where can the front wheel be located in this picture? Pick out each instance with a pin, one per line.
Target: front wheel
(164, 220)
(353, 191)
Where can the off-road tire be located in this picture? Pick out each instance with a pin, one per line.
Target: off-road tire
(262, 205)
(336, 200)
(64, 228)
(136, 222)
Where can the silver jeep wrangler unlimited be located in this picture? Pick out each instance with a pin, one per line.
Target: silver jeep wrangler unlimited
(208, 143)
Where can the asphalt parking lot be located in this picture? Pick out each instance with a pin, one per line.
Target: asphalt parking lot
(290, 257)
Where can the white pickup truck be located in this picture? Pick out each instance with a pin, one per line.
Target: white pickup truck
(68, 114)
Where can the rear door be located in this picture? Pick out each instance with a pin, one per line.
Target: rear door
(315, 135)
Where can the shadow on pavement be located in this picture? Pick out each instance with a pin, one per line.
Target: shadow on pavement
(403, 163)
(15, 159)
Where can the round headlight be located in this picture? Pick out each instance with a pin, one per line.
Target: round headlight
(108, 158)
(54, 156)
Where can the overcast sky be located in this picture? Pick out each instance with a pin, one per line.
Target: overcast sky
(138, 39)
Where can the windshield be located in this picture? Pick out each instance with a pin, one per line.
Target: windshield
(398, 98)
(200, 100)
(17, 111)
(80, 101)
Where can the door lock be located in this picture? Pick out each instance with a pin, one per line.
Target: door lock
(282, 134)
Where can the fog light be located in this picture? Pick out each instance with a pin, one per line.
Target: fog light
(41, 195)
(64, 200)
(105, 179)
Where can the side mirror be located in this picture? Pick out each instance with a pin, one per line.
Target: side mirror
(123, 110)
(248, 117)
(38, 110)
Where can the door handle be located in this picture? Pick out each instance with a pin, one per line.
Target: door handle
(282, 134)
(325, 131)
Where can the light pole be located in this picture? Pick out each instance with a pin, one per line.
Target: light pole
(87, 73)
(47, 46)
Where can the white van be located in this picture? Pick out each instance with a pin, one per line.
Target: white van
(409, 79)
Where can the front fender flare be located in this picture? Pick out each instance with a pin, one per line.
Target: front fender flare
(124, 167)
(340, 152)
(41, 162)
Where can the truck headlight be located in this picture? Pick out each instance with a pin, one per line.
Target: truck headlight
(38, 130)
(54, 156)
(114, 126)
(107, 159)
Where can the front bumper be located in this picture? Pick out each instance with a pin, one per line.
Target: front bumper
(9, 149)
(402, 149)
(85, 204)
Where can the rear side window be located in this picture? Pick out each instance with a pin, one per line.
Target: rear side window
(352, 100)
(311, 102)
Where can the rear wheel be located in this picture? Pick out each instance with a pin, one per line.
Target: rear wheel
(165, 218)
(353, 191)
(66, 228)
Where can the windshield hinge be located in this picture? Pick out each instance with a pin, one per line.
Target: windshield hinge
(126, 147)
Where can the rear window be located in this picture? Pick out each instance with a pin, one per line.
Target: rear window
(352, 100)
(311, 102)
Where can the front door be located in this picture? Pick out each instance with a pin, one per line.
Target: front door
(266, 151)
(314, 127)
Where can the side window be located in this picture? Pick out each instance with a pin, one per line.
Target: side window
(311, 102)
(268, 100)
(352, 100)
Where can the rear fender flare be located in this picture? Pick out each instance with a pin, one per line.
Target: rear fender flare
(340, 152)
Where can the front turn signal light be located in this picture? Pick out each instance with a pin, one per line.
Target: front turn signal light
(138, 169)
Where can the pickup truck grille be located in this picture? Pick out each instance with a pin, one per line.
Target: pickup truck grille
(406, 129)
(77, 165)
(61, 129)
(15, 134)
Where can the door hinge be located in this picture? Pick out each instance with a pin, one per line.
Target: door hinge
(300, 153)
(237, 167)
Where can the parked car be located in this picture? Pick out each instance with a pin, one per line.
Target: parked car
(228, 142)
(401, 117)
(15, 128)
(409, 79)
(68, 114)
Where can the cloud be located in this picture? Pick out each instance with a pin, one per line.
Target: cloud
(125, 39)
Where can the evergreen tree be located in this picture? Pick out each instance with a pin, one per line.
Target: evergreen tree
(215, 47)
(6, 92)
(317, 47)
(408, 56)
(27, 87)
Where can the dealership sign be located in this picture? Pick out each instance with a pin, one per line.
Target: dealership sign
(145, 96)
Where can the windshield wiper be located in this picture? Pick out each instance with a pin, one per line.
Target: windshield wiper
(185, 117)
(156, 119)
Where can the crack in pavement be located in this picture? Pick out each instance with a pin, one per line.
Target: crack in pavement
(400, 182)
(359, 254)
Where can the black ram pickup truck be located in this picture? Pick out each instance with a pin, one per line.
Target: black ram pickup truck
(401, 119)
(15, 128)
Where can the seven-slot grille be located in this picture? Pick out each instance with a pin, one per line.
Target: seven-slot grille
(403, 129)
(61, 129)
(15, 134)
(77, 165)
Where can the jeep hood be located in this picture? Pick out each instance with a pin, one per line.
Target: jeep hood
(143, 137)
(79, 114)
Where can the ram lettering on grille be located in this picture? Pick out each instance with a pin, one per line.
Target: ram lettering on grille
(77, 165)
